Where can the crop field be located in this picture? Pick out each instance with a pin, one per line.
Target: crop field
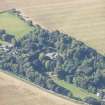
(16, 92)
(83, 19)
(3, 5)
(13, 24)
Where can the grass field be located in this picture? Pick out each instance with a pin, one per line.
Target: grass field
(3, 42)
(13, 25)
(77, 92)
(16, 92)
(83, 19)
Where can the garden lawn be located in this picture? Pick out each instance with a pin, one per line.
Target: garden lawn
(14, 25)
(77, 92)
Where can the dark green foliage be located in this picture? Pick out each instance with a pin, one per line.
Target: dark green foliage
(6, 37)
(41, 54)
(103, 103)
(77, 98)
(92, 101)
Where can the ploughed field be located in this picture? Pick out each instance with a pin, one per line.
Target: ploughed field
(83, 19)
(16, 92)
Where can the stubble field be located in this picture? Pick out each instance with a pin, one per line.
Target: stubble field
(16, 92)
(83, 19)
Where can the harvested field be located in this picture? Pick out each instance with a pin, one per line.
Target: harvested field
(83, 19)
(3, 5)
(16, 92)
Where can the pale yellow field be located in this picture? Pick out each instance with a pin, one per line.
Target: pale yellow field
(16, 92)
(83, 19)
(3, 5)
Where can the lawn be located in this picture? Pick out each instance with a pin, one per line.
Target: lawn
(3, 42)
(77, 92)
(14, 25)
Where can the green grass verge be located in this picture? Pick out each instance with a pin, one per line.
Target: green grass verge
(14, 25)
(77, 92)
(3, 42)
